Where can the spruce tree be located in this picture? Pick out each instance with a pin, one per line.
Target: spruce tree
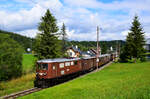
(135, 41)
(64, 38)
(47, 43)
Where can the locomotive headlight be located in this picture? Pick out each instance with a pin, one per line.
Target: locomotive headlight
(42, 74)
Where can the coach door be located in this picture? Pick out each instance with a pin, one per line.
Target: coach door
(83, 64)
(54, 69)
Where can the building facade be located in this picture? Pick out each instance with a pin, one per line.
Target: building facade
(73, 51)
(147, 46)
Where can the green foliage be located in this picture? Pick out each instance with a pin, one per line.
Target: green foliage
(142, 58)
(124, 56)
(25, 42)
(10, 58)
(104, 49)
(47, 44)
(118, 81)
(135, 42)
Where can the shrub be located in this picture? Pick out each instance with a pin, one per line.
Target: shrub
(10, 58)
(143, 58)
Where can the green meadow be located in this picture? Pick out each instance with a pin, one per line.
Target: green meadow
(28, 63)
(117, 81)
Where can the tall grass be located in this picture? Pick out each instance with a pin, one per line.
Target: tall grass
(118, 81)
(15, 85)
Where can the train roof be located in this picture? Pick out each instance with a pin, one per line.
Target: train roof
(57, 60)
(88, 57)
(103, 55)
(66, 59)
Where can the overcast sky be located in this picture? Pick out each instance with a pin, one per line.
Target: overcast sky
(80, 17)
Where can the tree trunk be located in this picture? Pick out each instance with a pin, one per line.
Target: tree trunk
(134, 60)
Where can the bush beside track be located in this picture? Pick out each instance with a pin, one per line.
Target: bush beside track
(21, 83)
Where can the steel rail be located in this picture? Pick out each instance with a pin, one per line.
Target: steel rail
(21, 93)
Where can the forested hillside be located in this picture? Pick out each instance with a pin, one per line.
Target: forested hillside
(22, 40)
(26, 42)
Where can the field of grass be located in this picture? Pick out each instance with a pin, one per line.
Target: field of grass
(15, 85)
(28, 62)
(118, 81)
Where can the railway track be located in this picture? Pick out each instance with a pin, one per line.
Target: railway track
(22, 93)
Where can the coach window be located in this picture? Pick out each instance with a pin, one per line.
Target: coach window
(61, 65)
(67, 64)
(72, 63)
(53, 67)
(62, 72)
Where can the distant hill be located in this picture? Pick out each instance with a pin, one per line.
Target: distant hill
(26, 42)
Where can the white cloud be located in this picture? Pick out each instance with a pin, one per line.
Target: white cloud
(29, 33)
(80, 17)
(83, 3)
(125, 33)
(93, 36)
(22, 19)
(115, 5)
(147, 35)
(26, 19)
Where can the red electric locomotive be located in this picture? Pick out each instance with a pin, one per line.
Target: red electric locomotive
(48, 71)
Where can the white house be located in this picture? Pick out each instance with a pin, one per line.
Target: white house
(147, 46)
(73, 51)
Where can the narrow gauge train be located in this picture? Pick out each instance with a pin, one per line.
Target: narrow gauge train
(48, 71)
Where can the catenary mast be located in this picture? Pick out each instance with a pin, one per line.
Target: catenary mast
(97, 55)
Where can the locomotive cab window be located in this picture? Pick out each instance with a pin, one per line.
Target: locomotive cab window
(43, 66)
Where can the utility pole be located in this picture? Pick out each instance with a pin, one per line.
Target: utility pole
(118, 49)
(97, 55)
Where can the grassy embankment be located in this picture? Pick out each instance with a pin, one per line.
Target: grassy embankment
(22, 83)
(28, 63)
(118, 81)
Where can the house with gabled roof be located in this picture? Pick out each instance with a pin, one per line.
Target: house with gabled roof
(90, 53)
(73, 51)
